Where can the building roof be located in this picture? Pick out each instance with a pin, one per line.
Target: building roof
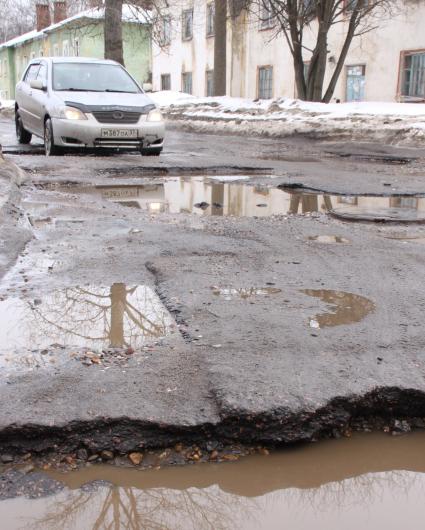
(129, 14)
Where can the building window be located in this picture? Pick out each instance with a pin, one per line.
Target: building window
(40, 52)
(266, 15)
(187, 82)
(65, 48)
(4, 67)
(265, 82)
(209, 83)
(76, 47)
(355, 82)
(56, 50)
(413, 75)
(210, 20)
(165, 82)
(165, 36)
(187, 24)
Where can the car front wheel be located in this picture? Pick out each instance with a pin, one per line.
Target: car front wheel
(22, 135)
(49, 140)
(153, 151)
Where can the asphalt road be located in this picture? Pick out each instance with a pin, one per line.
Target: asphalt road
(247, 360)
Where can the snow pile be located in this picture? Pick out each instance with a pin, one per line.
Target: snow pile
(389, 122)
(7, 104)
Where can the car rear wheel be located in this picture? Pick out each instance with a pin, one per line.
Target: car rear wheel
(23, 136)
(49, 140)
(153, 151)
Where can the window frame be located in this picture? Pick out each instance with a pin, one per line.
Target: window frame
(268, 23)
(401, 96)
(265, 67)
(184, 74)
(169, 83)
(185, 13)
(27, 71)
(209, 71)
(209, 20)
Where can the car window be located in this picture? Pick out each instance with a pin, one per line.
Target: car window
(42, 73)
(31, 73)
(93, 77)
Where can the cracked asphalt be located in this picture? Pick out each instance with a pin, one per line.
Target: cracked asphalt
(247, 349)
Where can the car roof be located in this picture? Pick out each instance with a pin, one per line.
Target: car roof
(88, 60)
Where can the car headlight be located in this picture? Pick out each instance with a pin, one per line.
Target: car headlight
(155, 115)
(72, 113)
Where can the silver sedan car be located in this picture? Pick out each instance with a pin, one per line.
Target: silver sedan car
(79, 102)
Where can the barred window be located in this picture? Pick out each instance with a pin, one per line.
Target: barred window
(165, 82)
(165, 37)
(187, 24)
(265, 82)
(187, 82)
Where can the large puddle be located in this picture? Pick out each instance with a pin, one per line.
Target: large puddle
(90, 316)
(221, 197)
(372, 481)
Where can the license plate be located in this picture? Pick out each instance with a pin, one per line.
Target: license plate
(119, 133)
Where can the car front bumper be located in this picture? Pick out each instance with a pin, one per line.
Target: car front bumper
(89, 133)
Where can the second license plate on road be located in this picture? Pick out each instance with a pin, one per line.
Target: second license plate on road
(119, 133)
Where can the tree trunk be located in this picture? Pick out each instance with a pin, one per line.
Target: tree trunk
(341, 60)
(220, 40)
(113, 31)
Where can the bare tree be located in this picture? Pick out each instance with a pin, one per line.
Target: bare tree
(220, 48)
(294, 17)
(113, 31)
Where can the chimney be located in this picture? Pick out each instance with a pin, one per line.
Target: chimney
(59, 11)
(43, 16)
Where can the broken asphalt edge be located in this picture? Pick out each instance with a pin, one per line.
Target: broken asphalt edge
(384, 408)
(15, 230)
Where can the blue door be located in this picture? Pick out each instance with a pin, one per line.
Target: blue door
(356, 83)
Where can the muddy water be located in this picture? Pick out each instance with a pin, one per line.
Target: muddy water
(91, 316)
(221, 197)
(374, 482)
(345, 308)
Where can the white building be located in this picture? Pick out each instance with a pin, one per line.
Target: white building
(386, 64)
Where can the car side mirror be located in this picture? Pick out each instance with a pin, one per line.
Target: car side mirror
(38, 84)
(147, 87)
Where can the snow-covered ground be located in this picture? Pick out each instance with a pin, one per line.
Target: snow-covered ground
(7, 103)
(390, 122)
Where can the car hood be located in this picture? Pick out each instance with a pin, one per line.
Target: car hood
(91, 101)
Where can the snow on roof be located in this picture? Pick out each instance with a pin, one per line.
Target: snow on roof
(34, 34)
(129, 14)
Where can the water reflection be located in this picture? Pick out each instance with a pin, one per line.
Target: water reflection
(203, 196)
(228, 293)
(348, 308)
(93, 316)
(370, 481)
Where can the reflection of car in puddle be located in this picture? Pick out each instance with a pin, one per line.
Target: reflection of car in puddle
(230, 293)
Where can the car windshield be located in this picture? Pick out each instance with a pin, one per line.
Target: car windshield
(92, 77)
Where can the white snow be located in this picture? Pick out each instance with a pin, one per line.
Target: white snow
(129, 14)
(378, 121)
(7, 104)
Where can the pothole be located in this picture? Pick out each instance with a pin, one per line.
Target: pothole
(96, 317)
(220, 196)
(346, 308)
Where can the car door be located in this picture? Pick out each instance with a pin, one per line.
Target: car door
(25, 100)
(39, 100)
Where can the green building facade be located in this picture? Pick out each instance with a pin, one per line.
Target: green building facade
(78, 36)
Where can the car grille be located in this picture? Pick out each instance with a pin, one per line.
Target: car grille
(117, 117)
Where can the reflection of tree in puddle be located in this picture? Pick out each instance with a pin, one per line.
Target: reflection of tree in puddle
(348, 308)
(212, 508)
(129, 508)
(116, 317)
